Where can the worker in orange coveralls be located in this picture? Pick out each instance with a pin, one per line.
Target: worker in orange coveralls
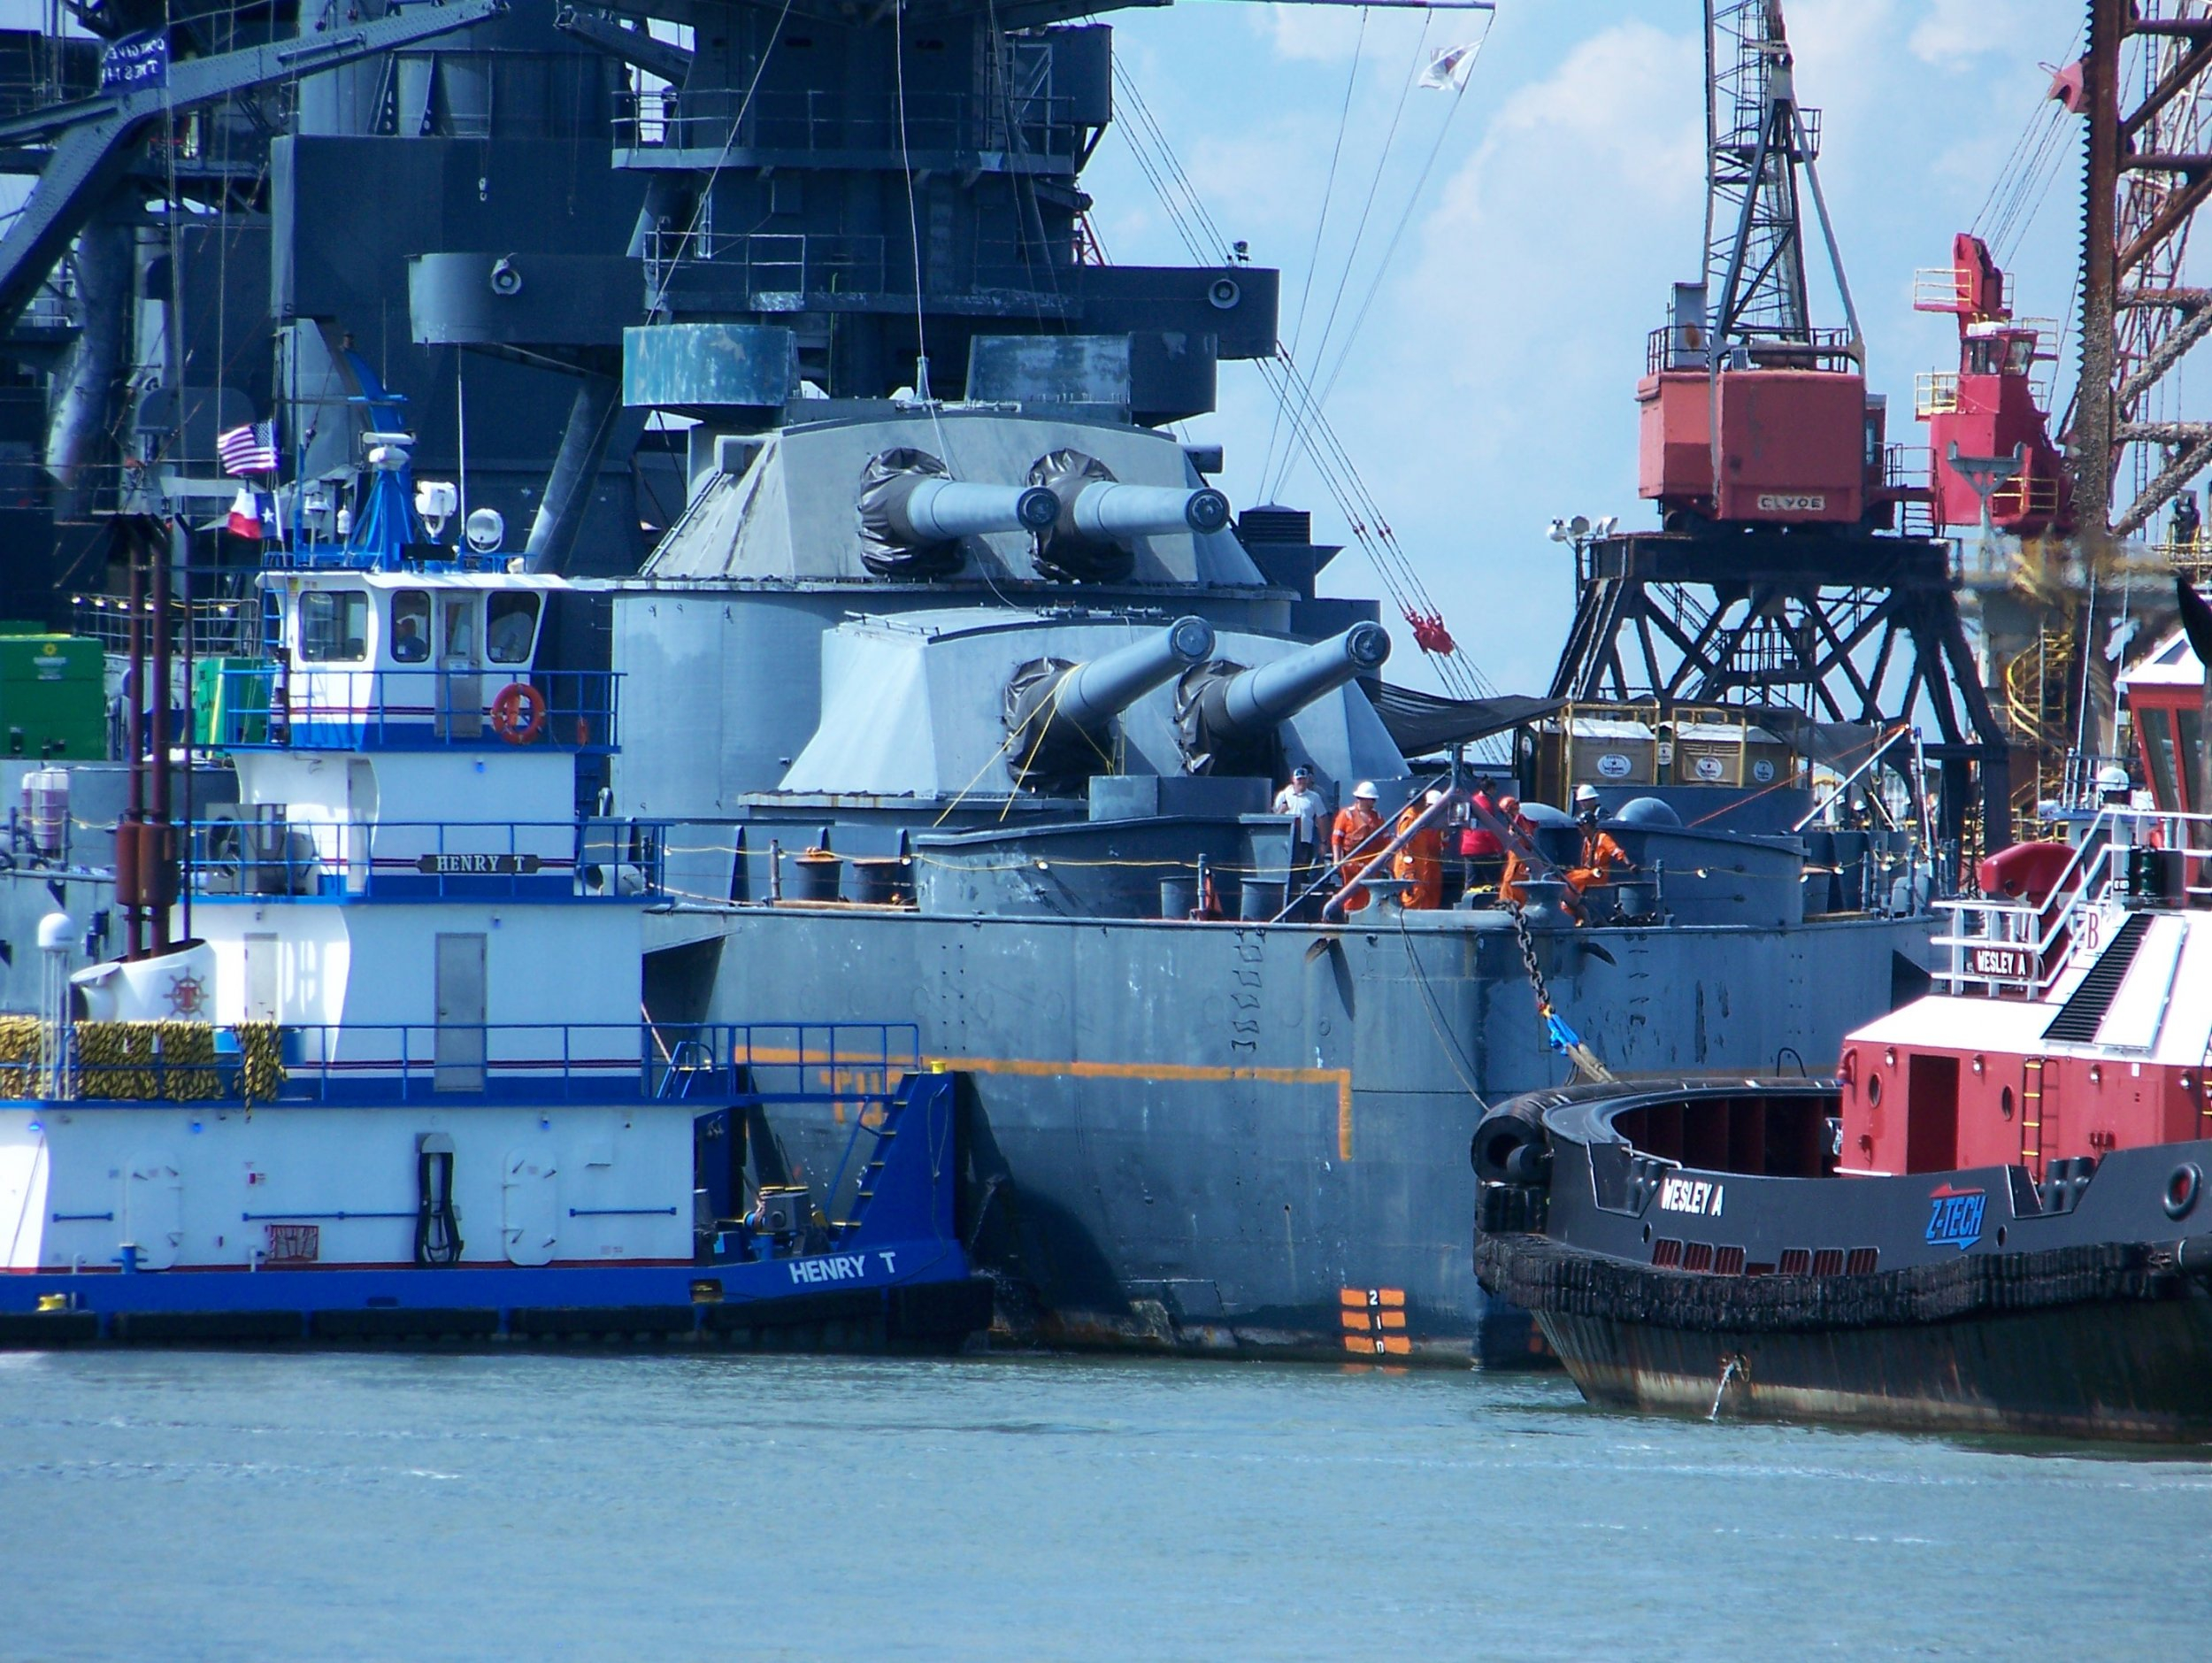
(1600, 853)
(1355, 822)
(1419, 862)
(1516, 871)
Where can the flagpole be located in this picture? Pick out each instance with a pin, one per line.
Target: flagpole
(461, 417)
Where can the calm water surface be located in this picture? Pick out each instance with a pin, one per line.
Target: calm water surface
(186, 1506)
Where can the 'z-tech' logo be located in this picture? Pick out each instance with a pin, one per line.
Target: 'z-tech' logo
(1956, 1217)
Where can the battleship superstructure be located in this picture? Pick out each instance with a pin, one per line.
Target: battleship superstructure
(968, 703)
(964, 696)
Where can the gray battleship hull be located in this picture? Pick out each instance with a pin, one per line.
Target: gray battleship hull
(1227, 1137)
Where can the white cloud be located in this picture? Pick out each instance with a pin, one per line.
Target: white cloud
(1958, 35)
(1313, 34)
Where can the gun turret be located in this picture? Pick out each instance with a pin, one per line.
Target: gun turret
(1056, 711)
(928, 511)
(1225, 711)
(912, 516)
(1093, 536)
(1255, 700)
(1106, 511)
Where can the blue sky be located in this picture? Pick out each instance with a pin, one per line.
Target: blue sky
(1492, 386)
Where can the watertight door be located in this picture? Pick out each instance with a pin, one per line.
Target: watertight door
(24, 1171)
(460, 997)
(530, 1220)
(153, 1210)
(262, 985)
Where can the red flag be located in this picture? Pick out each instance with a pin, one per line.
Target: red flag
(245, 517)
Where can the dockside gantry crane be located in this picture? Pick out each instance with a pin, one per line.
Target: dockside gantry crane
(1776, 581)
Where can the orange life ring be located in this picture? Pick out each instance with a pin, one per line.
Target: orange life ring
(518, 713)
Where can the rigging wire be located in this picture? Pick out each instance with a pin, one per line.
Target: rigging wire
(703, 203)
(1310, 425)
(1320, 224)
(1405, 218)
(1367, 203)
(914, 239)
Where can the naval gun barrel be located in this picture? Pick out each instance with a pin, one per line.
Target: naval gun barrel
(924, 509)
(1105, 511)
(1256, 700)
(1091, 695)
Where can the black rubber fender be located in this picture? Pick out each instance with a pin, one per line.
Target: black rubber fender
(1511, 1147)
(2184, 1185)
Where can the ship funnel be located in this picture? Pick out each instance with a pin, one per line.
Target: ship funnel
(1224, 710)
(1100, 519)
(913, 515)
(1056, 711)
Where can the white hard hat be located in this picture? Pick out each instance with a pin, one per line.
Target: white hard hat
(1364, 788)
(1586, 794)
(1433, 799)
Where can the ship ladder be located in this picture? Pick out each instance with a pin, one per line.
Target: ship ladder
(2204, 1097)
(2032, 1116)
(872, 1169)
(2038, 705)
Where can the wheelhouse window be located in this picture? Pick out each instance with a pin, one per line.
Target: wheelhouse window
(460, 630)
(512, 627)
(334, 626)
(411, 626)
(2155, 723)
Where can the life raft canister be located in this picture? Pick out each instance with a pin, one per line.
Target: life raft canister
(518, 713)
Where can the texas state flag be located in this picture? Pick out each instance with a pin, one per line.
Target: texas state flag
(245, 517)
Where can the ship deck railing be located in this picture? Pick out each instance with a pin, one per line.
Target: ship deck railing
(2022, 948)
(208, 628)
(707, 1064)
(337, 706)
(827, 120)
(258, 855)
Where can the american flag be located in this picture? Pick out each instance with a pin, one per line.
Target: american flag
(251, 448)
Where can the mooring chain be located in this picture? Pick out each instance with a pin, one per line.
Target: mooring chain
(1528, 962)
(1558, 1035)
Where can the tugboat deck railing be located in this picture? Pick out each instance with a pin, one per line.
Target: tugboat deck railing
(2022, 948)
(344, 705)
(257, 860)
(382, 1065)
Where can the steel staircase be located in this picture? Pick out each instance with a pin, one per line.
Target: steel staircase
(2078, 1020)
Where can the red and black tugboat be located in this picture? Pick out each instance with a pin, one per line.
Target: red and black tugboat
(1992, 1217)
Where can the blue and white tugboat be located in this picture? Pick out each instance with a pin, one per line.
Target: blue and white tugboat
(372, 1068)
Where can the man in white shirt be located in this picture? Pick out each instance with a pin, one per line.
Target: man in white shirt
(1302, 804)
(1309, 811)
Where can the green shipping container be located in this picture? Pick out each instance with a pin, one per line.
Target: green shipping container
(53, 698)
(230, 710)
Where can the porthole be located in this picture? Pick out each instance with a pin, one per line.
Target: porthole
(2004, 1102)
(1874, 1090)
